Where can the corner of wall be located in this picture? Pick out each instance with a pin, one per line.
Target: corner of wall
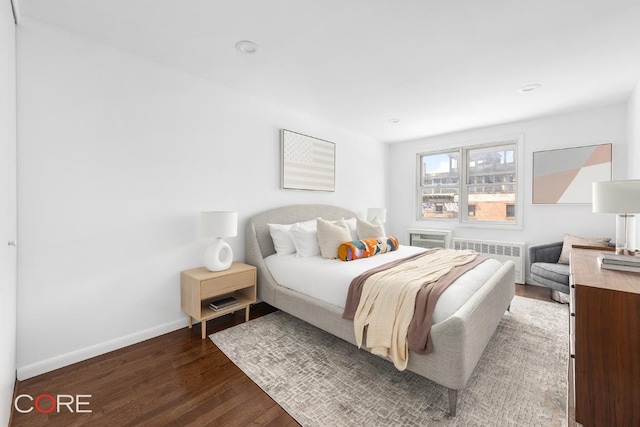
(633, 139)
(8, 287)
(633, 133)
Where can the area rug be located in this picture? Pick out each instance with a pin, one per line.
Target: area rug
(324, 381)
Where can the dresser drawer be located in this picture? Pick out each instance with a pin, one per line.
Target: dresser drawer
(572, 306)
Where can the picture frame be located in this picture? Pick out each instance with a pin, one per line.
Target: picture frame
(565, 175)
(307, 163)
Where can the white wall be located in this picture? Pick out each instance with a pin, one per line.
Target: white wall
(117, 157)
(633, 136)
(542, 223)
(633, 132)
(7, 211)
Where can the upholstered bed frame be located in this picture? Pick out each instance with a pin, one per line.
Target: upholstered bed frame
(458, 341)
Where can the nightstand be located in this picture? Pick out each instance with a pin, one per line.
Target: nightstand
(199, 286)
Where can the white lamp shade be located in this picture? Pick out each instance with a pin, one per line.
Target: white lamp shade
(219, 224)
(380, 213)
(619, 197)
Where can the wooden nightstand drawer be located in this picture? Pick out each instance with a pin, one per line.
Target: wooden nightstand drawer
(214, 287)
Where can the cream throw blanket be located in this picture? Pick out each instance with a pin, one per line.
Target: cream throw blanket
(388, 301)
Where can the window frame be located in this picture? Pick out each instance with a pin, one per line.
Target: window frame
(463, 186)
(440, 185)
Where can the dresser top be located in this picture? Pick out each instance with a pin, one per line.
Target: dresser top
(587, 272)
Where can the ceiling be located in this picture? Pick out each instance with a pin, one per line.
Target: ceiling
(437, 66)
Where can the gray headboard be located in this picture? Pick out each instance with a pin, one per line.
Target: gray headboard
(260, 244)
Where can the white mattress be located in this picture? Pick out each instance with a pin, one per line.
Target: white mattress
(328, 280)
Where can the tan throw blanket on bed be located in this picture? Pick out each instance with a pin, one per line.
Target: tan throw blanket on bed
(387, 303)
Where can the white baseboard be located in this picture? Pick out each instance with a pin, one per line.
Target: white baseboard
(67, 359)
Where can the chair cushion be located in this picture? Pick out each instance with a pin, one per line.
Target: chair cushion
(554, 272)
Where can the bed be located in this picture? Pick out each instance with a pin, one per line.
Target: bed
(459, 340)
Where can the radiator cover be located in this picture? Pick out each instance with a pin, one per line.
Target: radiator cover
(502, 251)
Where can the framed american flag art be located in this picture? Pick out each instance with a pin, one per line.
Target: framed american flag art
(307, 163)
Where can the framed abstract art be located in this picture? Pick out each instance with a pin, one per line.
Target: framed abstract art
(564, 176)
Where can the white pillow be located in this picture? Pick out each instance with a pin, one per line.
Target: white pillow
(369, 230)
(331, 234)
(282, 240)
(305, 239)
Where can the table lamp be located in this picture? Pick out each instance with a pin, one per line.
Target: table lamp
(622, 198)
(380, 213)
(218, 224)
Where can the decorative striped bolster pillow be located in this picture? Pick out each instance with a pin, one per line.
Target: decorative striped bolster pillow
(357, 249)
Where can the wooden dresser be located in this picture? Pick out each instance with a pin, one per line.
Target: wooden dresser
(604, 365)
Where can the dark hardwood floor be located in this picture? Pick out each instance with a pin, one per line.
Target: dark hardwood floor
(535, 292)
(175, 379)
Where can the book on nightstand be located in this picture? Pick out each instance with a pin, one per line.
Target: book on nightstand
(223, 304)
(619, 262)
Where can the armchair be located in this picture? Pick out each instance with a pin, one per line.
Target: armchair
(544, 267)
(545, 270)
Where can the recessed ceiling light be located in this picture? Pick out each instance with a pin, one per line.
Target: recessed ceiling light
(529, 88)
(394, 120)
(246, 46)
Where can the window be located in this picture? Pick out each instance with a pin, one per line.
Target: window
(474, 184)
(439, 182)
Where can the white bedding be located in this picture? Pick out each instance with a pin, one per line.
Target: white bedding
(328, 280)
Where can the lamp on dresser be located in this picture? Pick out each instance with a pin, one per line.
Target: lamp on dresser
(218, 224)
(621, 198)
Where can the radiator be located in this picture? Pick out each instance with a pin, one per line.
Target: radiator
(502, 251)
(429, 238)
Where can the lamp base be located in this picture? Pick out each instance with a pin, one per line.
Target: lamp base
(625, 234)
(219, 256)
